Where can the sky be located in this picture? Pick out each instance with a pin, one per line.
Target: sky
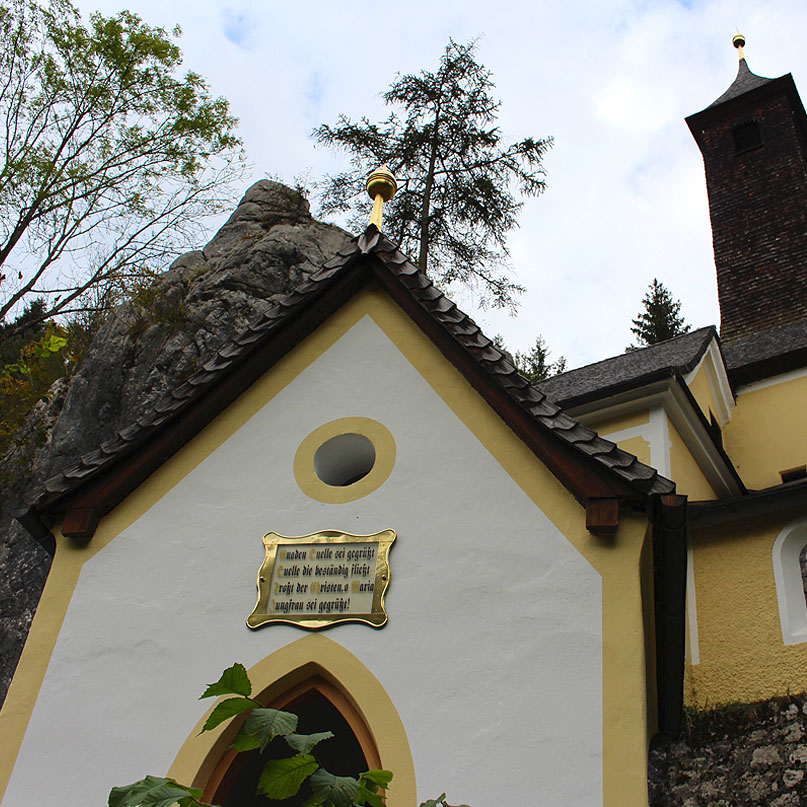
(611, 81)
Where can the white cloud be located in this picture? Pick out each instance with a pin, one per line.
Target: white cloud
(612, 81)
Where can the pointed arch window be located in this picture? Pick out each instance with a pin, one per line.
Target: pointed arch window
(321, 706)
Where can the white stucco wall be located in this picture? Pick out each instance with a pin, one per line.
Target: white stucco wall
(492, 654)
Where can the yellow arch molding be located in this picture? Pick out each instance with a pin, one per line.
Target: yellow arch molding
(315, 654)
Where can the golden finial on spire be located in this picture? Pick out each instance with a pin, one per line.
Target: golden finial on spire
(738, 40)
(381, 186)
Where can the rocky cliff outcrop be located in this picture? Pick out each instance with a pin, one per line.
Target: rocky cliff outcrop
(144, 349)
(743, 755)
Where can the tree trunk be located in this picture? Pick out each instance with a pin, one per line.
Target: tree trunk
(423, 257)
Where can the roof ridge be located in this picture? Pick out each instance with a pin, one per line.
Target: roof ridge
(637, 351)
(463, 330)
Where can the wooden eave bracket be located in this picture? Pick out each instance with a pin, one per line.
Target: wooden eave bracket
(602, 516)
(80, 522)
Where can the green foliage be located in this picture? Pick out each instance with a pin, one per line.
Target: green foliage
(280, 778)
(234, 681)
(24, 382)
(339, 791)
(305, 743)
(152, 306)
(25, 328)
(454, 204)
(110, 161)
(266, 724)
(660, 319)
(535, 365)
(227, 709)
(440, 801)
(31, 359)
(154, 791)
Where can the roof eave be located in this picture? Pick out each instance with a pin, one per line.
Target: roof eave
(592, 469)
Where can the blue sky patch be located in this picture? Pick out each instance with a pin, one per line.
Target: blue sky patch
(236, 26)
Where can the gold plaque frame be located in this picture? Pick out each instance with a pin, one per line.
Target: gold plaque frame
(315, 620)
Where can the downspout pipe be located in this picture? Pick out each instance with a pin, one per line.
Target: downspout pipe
(670, 573)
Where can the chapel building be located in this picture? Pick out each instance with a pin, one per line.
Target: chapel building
(491, 588)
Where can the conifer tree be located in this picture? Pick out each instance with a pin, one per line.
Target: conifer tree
(535, 365)
(454, 206)
(660, 319)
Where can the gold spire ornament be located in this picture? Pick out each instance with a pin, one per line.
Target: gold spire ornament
(738, 40)
(381, 187)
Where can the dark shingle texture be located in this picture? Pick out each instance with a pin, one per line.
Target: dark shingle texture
(745, 81)
(677, 355)
(460, 327)
(767, 353)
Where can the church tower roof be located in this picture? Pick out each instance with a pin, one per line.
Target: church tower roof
(753, 139)
(745, 81)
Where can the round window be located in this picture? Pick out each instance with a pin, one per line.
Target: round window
(344, 459)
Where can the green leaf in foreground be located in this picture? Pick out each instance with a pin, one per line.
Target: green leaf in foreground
(339, 791)
(368, 798)
(370, 782)
(234, 681)
(438, 802)
(266, 724)
(225, 710)
(153, 791)
(303, 743)
(245, 741)
(379, 778)
(281, 778)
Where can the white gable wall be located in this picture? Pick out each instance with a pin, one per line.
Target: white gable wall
(493, 650)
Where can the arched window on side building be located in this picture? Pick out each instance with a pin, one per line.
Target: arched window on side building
(790, 574)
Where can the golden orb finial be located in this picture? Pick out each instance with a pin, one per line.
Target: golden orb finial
(738, 40)
(381, 187)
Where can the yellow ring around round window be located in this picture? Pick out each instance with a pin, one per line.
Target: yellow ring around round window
(313, 486)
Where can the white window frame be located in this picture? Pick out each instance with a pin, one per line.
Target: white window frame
(789, 586)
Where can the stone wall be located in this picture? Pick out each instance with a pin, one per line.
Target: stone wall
(750, 755)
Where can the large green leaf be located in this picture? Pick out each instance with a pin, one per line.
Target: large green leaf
(370, 782)
(153, 791)
(234, 681)
(368, 798)
(281, 778)
(245, 741)
(380, 778)
(304, 743)
(266, 724)
(339, 791)
(227, 709)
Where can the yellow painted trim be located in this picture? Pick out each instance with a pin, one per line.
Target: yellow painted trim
(629, 420)
(617, 560)
(279, 671)
(310, 484)
(33, 663)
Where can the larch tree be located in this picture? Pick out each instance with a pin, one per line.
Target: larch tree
(456, 177)
(109, 160)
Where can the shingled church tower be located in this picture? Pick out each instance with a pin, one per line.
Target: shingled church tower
(754, 144)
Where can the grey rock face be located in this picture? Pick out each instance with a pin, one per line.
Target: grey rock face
(147, 347)
(738, 756)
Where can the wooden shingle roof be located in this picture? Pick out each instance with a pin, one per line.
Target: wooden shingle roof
(592, 468)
